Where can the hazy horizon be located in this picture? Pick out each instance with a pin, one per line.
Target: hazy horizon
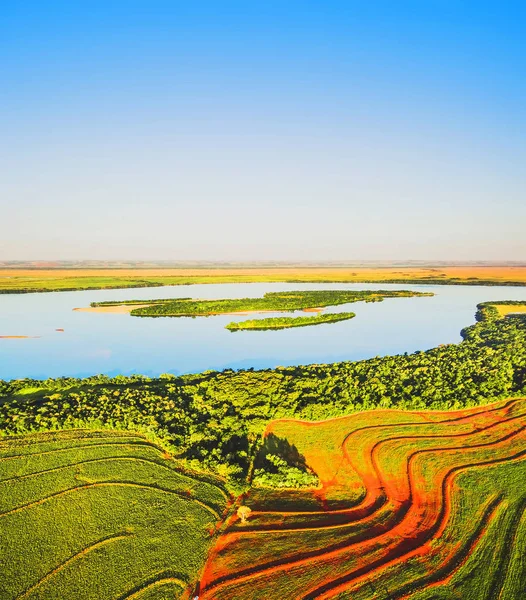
(335, 131)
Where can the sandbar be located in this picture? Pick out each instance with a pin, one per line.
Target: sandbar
(18, 337)
(115, 309)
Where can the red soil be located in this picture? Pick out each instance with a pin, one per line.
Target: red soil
(400, 470)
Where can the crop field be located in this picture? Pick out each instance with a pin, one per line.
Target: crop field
(14, 280)
(435, 508)
(100, 514)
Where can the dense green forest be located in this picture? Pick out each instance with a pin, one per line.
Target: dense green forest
(213, 420)
(126, 302)
(286, 322)
(272, 301)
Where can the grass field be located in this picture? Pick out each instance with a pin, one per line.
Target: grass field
(100, 514)
(433, 498)
(25, 280)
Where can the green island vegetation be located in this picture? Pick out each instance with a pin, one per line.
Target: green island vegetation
(271, 301)
(286, 322)
(133, 302)
(98, 471)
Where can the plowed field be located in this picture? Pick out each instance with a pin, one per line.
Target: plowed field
(419, 505)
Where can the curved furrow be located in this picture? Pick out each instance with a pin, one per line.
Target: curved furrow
(398, 510)
(65, 434)
(95, 460)
(370, 505)
(489, 511)
(443, 575)
(108, 484)
(79, 447)
(390, 479)
(163, 578)
(81, 554)
(370, 501)
(408, 544)
(262, 569)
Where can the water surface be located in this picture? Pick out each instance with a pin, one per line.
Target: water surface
(113, 344)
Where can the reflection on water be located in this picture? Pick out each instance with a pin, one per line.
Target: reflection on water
(93, 343)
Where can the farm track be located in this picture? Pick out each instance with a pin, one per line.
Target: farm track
(416, 519)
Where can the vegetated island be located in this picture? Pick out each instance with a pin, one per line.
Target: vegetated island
(288, 301)
(18, 278)
(286, 322)
(417, 486)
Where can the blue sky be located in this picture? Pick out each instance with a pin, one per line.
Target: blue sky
(263, 130)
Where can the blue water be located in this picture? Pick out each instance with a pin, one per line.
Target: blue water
(120, 344)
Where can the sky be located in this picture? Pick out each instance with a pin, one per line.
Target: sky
(276, 130)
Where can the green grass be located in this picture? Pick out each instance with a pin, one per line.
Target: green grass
(87, 514)
(286, 322)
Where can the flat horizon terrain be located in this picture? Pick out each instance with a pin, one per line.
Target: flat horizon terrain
(14, 279)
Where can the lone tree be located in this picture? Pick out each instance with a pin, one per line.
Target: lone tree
(243, 512)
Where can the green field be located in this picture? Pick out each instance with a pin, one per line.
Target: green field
(100, 514)
(287, 322)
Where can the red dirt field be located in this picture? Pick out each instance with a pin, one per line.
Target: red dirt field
(395, 506)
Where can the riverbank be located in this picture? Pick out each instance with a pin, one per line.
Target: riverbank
(27, 280)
